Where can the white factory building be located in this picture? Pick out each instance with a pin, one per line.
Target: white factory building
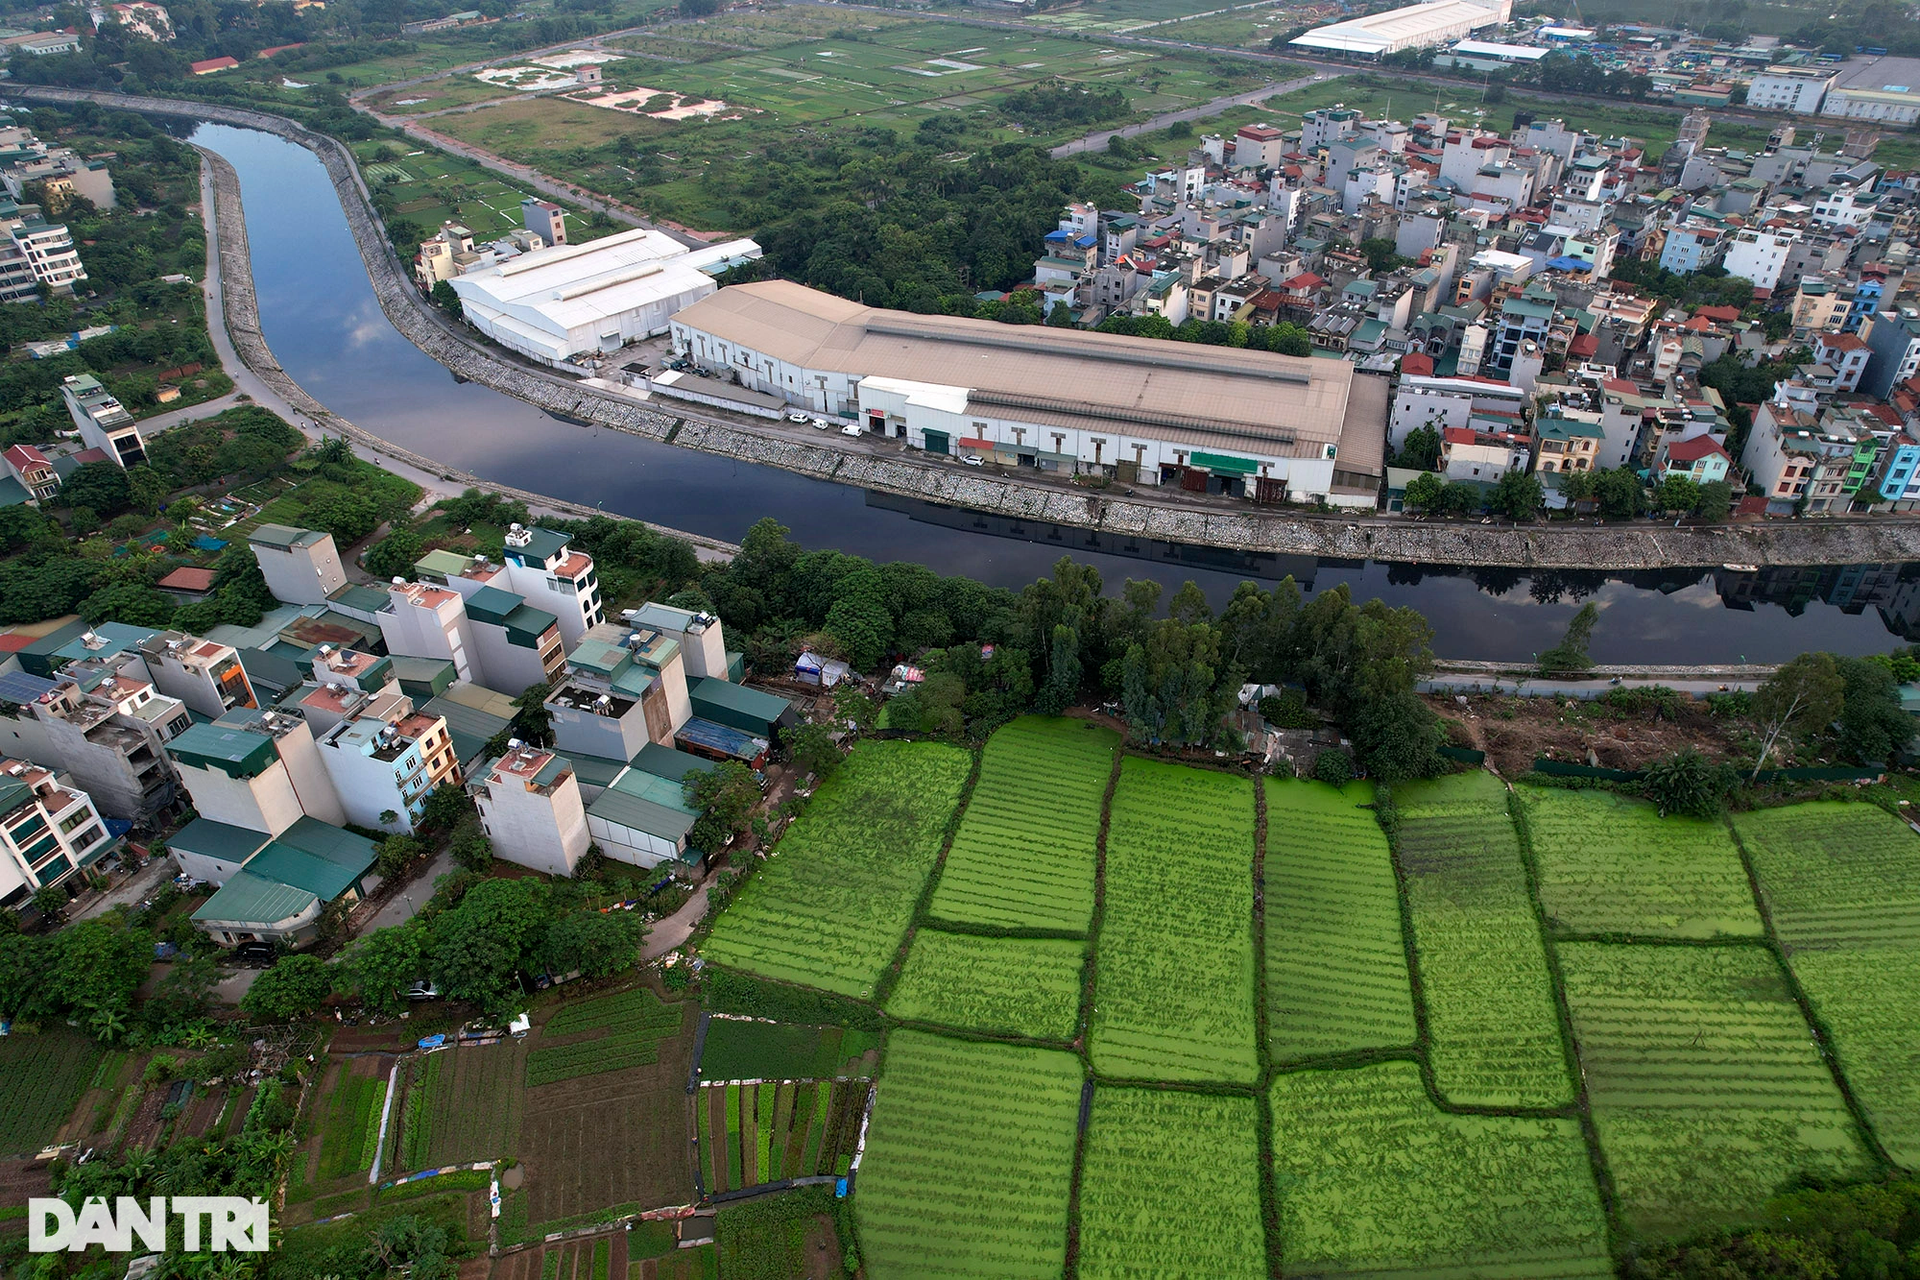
(557, 303)
(1210, 419)
(1417, 26)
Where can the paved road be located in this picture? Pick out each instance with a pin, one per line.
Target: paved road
(1098, 141)
(142, 884)
(192, 413)
(399, 911)
(664, 935)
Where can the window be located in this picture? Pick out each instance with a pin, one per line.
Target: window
(88, 838)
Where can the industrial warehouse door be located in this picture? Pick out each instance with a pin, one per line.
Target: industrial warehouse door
(1267, 489)
(1193, 481)
(936, 441)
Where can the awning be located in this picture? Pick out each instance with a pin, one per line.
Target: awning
(1218, 462)
(969, 442)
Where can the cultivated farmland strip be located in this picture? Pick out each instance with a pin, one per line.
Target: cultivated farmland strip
(1023, 857)
(1707, 1090)
(1336, 959)
(1174, 983)
(968, 1161)
(1020, 986)
(1842, 888)
(1492, 1025)
(829, 909)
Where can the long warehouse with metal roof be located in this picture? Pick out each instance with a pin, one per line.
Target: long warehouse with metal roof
(1213, 419)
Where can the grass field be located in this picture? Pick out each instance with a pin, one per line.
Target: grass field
(1336, 959)
(1708, 1093)
(1141, 1143)
(1173, 979)
(41, 1078)
(1373, 1180)
(1494, 1031)
(1842, 886)
(1023, 986)
(1024, 855)
(742, 1050)
(829, 909)
(968, 1159)
(1613, 865)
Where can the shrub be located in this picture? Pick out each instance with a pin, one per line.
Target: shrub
(1332, 766)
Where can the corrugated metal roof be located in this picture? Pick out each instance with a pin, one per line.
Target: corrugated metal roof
(723, 696)
(665, 762)
(220, 840)
(469, 727)
(248, 899)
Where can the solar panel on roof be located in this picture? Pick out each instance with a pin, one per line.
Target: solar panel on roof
(18, 686)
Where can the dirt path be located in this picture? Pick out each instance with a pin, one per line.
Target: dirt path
(664, 935)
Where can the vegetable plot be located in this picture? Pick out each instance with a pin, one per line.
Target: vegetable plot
(1707, 1091)
(1842, 885)
(1023, 986)
(801, 1128)
(968, 1160)
(829, 909)
(1025, 852)
(41, 1078)
(1336, 960)
(634, 1022)
(1142, 1145)
(1612, 865)
(1493, 1028)
(1374, 1180)
(1173, 977)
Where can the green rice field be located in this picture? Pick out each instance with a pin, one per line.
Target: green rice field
(1173, 980)
(968, 1160)
(1374, 1180)
(1707, 1091)
(1842, 886)
(829, 909)
(1336, 959)
(1495, 1033)
(1140, 1144)
(739, 1049)
(1024, 855)
(1612, 865)
(1017, 986)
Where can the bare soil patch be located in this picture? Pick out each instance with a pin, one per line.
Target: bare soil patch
(1515, 731)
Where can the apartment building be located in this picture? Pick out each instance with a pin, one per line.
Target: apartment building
(301, 566)
(49, 830)
(623, 688)
(104, 422)
(106, 729)
(204, 674)
(1441, 403)
(1760, 255)
(387, 760)
(261, 770)
(530, 807)
(35, 254)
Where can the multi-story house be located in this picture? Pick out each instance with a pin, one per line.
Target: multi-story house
(1692, 247)
(1467, 453)
(301, 566)
(1760, 254)
(1894, 340)
(36, 475)
(424, 621)
(387, 760)
(1701, 459)
(1798, 461)
(1568, 440)
(104, 422)
(530, 807)
(261, 770)
(49, 830)
(204, 674)
(1525, 317)
(1845, 354)
(37, 249)
(624, 687)
(1820, 302)
(104, 726)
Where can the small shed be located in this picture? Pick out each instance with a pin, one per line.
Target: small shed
(721, 742)
(752, 711)
(811, 668)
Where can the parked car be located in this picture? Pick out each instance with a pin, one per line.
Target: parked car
(256, 955)
(424, 989)
(822, 423)
(852, 429)
(973, 460)
(794, 415)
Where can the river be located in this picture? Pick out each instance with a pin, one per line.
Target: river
(321, 318)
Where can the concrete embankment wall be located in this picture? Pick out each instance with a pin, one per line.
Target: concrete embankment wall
(1560, 546)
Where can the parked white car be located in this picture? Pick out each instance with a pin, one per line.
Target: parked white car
(825, 424)
(973, 460)
(852, 429)
(794, 415)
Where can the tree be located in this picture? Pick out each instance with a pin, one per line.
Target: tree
(1677, 493)
(100, 487)
(1687, 783)
(1425, 492)
(385, 962)
(1062, 685)
(447, 300)
(133, 603)
(147, 489)
(1570, 657)
(471, 847)
(1874, 728)
(1332, 766)
(1421, 449)
(479, 947)
(1518, 495)
(50, 901)
(726, 797)
(347, 515)
(98, 964)
(532, 722)
(813, 750)
(1804, 695)
(1398, 737)
(1621, 494)
(854, 705)
(596, 944)
(296, 986)
(395, 555)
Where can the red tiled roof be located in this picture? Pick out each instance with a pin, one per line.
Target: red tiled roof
(91, 455)
(13, 642)
(212, 64)
(25, 455)
(1305, 280)
(1417, 364)
(188, 578)
(1586, 344)
(1840, 341)
(1460, 435)
(1695, 449)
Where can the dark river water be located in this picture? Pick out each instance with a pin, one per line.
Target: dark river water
(320, 315)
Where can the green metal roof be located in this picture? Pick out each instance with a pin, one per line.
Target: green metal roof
(12, 492)
(220, 840)
(470, 728)
(527, 624)
(284, 536)
(594, 771)
(736, 705)
(13, 794)
(423, 678)
(665, 762)
(254, 900)
(358, 595)
(645, 803)
(235, 752)
(542, 544)
(441, 563)
(311, 856)
(492, 605)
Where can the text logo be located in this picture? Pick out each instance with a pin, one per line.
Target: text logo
(230, 1223)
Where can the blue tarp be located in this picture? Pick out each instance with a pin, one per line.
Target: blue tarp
(433, 1042)
(205, 543)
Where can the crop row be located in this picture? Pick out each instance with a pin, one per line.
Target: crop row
(1842, 885)
(829, 909)
(1025, 853)
(1336, 958)
(1021, 986)
(968, 1160)
(1174, 984)
(790, 1129)
(626, 1008)
(416, 1124)
(1613, 865)
(1494, 1031)
(41, 1078)
(1707, 1092)
(347, 1110)
(1171, 1187)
